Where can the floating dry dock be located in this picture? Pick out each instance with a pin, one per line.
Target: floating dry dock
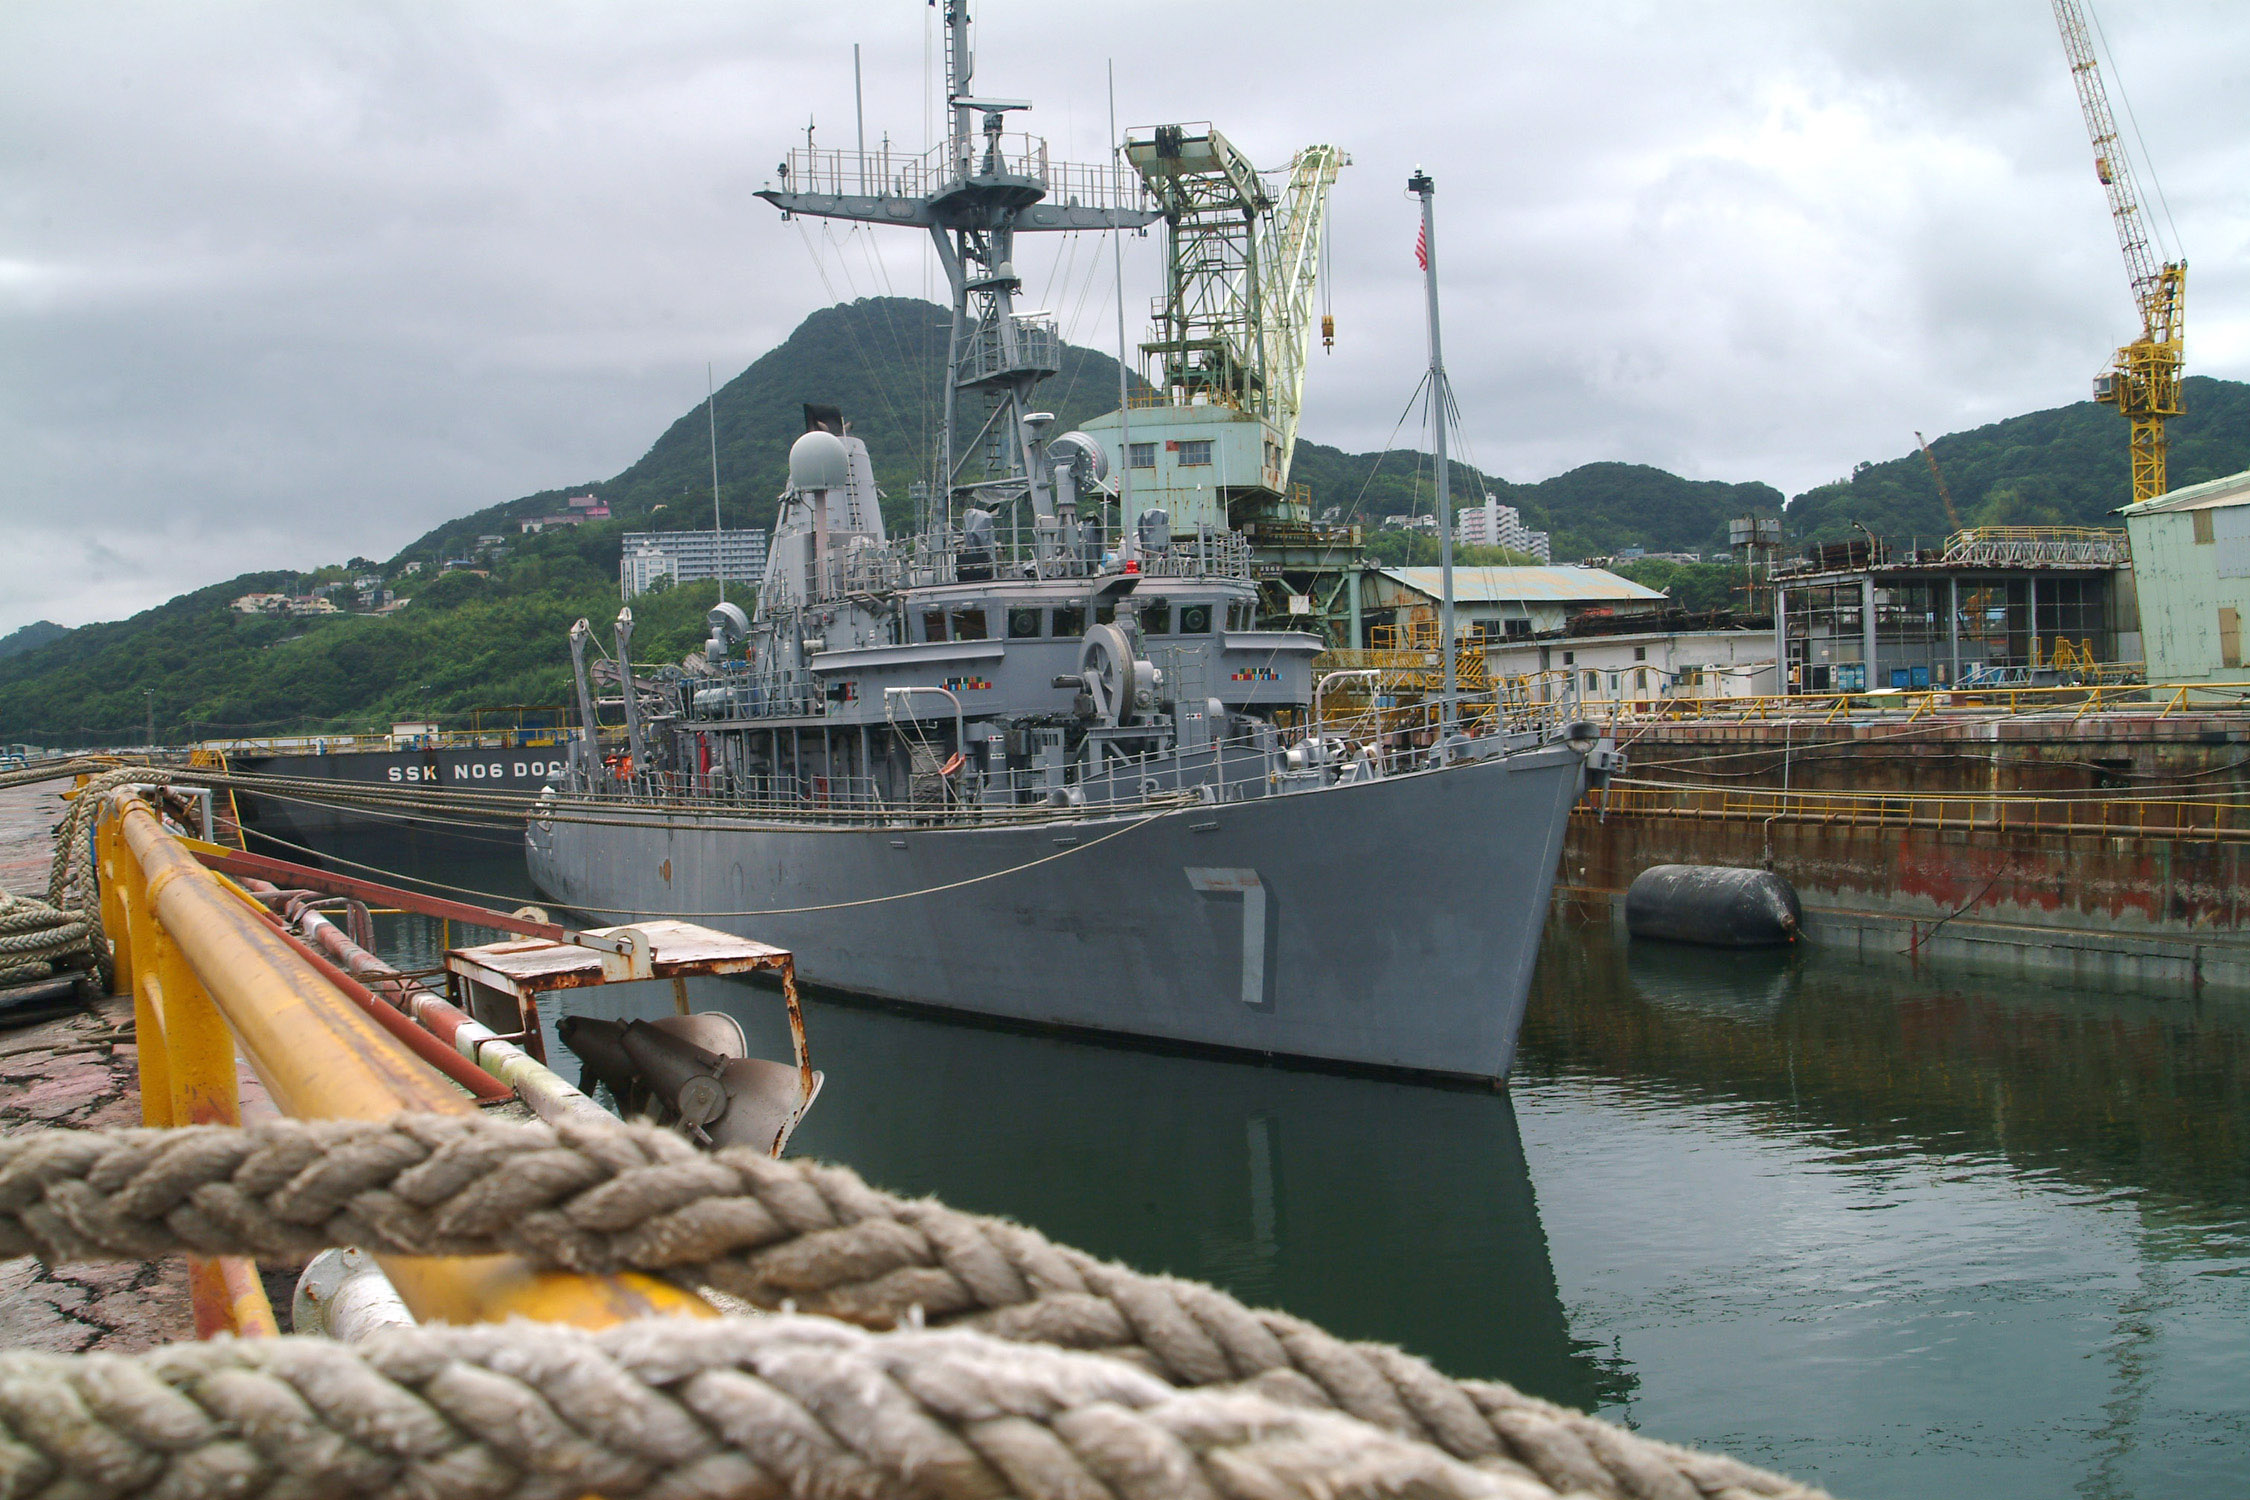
(2042, 832)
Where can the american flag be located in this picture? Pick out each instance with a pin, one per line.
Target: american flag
(1422, 247)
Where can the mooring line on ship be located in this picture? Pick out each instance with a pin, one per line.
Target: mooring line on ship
(777, 911)
(520, 807)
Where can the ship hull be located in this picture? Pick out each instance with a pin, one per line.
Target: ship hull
(290, 822)
(1391, 923)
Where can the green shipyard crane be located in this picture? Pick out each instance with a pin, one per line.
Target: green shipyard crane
(1212, 441)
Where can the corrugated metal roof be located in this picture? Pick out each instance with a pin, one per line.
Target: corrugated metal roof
(2209, 495)
(1525, 585)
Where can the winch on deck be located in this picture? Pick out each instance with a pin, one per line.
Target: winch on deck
(690, 1070)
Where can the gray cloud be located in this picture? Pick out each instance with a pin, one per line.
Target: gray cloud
(280, 284)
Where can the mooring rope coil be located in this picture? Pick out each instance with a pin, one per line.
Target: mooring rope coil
(35, 937)
(778, 1234)
(71, 885)
(685, 1408)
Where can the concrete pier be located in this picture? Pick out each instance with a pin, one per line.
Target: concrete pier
(76, 1071)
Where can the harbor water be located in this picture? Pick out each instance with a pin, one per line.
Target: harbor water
(1897, 1231)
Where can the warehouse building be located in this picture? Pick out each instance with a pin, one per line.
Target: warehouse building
(2191, 564)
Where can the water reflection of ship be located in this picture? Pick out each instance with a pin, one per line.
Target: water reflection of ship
(1378, 1209)
(2139, 1092)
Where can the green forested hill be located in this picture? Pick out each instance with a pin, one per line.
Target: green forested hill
(1595, 508)
(2063, 467)
(37, 633)
(880, 360)
(467, 643)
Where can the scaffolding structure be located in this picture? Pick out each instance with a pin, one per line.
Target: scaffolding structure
(2028, 606)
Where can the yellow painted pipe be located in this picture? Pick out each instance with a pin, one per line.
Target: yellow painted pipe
(321, 1057)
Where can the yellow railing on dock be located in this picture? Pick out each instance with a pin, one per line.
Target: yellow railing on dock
(210, 977)
(2159, 700)
(2093, 812)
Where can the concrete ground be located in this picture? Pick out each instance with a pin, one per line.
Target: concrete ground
(79, 1070)
(28, 815)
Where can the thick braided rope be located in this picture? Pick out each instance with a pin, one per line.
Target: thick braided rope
(775, 1233)
(52, 770)
(71, 886)
(742, 1407)
(34, 937)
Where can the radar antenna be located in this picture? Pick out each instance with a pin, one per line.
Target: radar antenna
(973, 194)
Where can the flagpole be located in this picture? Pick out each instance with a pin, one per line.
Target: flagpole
(718, 521)
(1426, 252)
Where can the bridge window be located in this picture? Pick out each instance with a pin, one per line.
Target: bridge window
(1156, 617)
(1196, 454)
(968, 624)
(933, 625)
(1023, 624)
(1195, 619)
(1070, 620)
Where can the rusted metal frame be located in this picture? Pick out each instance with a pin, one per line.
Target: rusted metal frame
(797, 1043)
(187, 1071)
(322, 1057)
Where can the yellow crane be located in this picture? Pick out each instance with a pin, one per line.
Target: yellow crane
(2143, 381)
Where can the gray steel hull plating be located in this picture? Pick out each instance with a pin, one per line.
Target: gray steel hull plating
(1389, 923)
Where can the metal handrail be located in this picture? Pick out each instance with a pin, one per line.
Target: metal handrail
(208, 975)
(2021, 545)
(2093, 813)
(2078, 699)
(353, 741)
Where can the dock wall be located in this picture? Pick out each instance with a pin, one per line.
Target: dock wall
(2102, 853)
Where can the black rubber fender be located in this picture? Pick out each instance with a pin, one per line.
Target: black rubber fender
(1718, 906)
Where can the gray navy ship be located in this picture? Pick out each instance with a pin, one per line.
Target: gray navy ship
(1047, 759)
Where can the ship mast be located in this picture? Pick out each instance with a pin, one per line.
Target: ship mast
(974, 194)
(1423, 187)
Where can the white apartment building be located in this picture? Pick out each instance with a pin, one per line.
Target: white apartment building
(687, 556)
(640, 568)
(1495, 525)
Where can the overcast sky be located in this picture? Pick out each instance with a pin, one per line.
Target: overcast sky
(282, 283)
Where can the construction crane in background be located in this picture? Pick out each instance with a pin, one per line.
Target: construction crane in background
(1945, 493)
(2143, 382)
